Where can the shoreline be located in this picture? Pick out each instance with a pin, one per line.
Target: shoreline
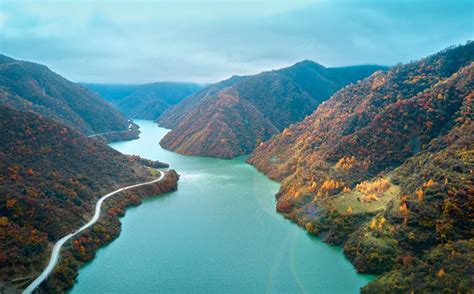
(48, 278)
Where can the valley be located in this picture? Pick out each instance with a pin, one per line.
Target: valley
(201, 147)
(218, 232)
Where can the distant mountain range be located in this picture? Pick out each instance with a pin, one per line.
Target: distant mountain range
(385, 168)
(147, 101)
(29, 86)
(112, 92)
(232, 117)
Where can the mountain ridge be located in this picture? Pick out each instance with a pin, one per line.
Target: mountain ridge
(30, 86)
(278, 98)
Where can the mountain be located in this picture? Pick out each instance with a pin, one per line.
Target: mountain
(111, 92)
(385, 168)
(50, 179)
(232, 117)
(171, 117)
(151, 100)
(145, 101)
(29, 86)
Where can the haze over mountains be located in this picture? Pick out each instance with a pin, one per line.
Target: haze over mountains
(147, 101)
(232, 117)
(385, 168)
(112, 92)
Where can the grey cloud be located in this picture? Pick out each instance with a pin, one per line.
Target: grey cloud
(204, 42)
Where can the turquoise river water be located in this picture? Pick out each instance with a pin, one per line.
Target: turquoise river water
(219, 233)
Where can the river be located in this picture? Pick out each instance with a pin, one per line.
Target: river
(219, 233)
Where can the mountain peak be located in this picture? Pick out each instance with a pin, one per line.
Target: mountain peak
(309, 62)
(266, 104)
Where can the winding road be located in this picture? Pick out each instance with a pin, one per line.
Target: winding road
(106, 133)
(57, 247)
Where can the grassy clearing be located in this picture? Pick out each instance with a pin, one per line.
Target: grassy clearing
(353, 199)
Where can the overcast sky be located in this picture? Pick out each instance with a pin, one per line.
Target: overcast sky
(110, 41)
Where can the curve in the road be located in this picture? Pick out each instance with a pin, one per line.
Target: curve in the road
(57, 247)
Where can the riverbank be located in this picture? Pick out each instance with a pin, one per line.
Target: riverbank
(83, 246)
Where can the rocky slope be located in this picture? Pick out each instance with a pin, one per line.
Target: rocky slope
(50, 178)
(232, 117)
(385, 168)
(29, 86)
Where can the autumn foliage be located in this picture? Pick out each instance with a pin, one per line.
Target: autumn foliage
(234, 116)
(50, 179)
(371, 190)
(410, 127)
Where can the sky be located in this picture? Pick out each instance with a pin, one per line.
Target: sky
(109, 41)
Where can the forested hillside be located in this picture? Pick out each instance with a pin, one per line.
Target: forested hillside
(385, 168)
(29, 86)
(172, 116)
(50, 179)
(232, 117)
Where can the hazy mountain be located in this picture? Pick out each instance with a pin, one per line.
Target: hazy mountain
(112, 92)
(147, 101)
(384, 167)
(232, 117)
(151, 100)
